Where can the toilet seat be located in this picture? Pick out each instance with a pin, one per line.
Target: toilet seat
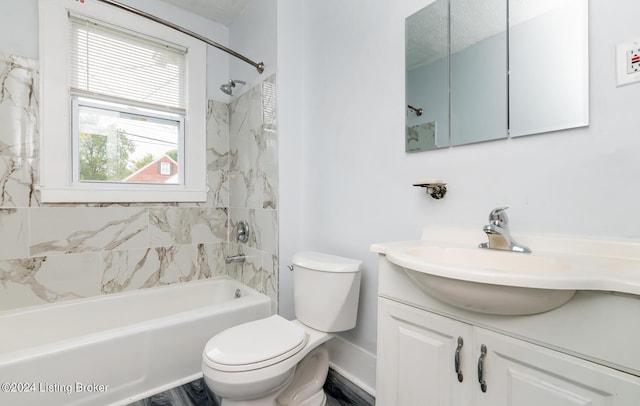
(255, 345)
(240, 383)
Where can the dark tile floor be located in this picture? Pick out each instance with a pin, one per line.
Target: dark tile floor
(340, 392)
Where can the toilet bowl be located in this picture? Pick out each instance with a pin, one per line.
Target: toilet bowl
(271, 363)
(274, 361)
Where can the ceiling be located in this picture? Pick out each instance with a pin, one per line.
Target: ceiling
(222, 11)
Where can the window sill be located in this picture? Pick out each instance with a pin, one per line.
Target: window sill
(75, 195)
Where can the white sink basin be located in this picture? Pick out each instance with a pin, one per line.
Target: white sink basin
(435, 270)
(448, 265)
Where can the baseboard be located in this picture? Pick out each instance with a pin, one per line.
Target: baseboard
(354, 363)
(342, 392)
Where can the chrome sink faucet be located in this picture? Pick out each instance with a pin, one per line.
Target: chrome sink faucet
(498, 233)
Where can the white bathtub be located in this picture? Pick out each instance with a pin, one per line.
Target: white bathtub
(118, 348)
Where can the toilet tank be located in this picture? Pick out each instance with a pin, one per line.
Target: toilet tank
(326, 289)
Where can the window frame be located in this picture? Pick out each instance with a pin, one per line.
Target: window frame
(57, 184)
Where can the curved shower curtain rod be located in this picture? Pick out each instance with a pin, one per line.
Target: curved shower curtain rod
(259, 65)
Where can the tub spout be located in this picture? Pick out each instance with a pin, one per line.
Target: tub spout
(235, 258)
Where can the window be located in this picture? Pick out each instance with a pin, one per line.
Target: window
(123, 107)
(111, 141)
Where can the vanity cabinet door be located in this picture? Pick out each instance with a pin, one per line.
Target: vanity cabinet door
(416, 358)
(522, 374)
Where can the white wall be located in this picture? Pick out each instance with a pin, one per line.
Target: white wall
(292, 57)
(19, 37)
(19, 34)
(253, 34)
(353, 181)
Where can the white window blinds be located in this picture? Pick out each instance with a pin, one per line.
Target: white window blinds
(114, 64)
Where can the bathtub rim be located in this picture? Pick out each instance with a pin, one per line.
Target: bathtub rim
(132, 292)
(249, 297)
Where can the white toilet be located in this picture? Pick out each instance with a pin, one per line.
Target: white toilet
(274, 361)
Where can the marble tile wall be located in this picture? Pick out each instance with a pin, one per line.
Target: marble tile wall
(52, 252)
(253, 182)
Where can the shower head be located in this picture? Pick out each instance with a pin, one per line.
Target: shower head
(228, 87)
(416, 110)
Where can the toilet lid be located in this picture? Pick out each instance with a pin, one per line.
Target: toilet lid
(256, 344)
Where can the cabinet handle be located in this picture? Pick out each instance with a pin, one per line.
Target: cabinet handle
(483, 354)
(457, 359)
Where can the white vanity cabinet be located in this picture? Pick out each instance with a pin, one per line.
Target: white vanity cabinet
(416, 354)
(555, 327)
(518, 373)
(417, 366)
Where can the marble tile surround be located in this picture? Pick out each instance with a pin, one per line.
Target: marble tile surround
(52, 252)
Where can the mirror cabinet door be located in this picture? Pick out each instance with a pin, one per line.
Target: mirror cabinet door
(427, 78)
(464, 86)
(548, 66)
(478, 70)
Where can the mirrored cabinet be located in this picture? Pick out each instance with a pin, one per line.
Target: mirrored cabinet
(480, 71)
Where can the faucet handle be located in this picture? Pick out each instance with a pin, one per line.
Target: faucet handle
(498, 217)
(242, 232)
